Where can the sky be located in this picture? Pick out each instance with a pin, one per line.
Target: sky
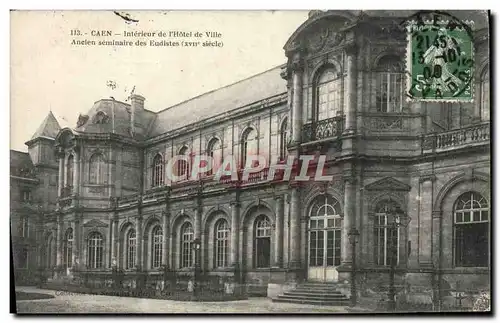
(48, 73)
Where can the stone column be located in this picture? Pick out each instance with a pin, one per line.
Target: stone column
(59, 241)
(425, 222)
(349, 218)
(171, 255)
(114, 240)
(138, 241)
(286, 75)
(166, 234)
(235, 233)
(296, 67)
(77, 242)
(76, 172)
(295, 229)
(197, 221)
(61, 174)
(351, 82)
(278, 251)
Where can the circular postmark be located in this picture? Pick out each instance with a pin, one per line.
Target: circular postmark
(439, 57)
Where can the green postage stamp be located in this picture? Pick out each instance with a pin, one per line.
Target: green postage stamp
(439, 59)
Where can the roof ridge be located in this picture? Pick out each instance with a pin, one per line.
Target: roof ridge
(220, 88)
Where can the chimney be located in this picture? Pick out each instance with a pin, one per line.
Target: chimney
(136, 107)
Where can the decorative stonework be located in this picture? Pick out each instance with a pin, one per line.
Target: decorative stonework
(94, 223)
(82, 120)
(388, 184)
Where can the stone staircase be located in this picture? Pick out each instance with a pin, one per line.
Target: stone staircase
(314, 294)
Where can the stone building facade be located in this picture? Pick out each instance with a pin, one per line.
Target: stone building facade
(104, 200)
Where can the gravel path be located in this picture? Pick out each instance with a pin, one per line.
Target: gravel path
(65, 302)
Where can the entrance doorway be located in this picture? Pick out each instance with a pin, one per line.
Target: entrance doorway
(325, 236)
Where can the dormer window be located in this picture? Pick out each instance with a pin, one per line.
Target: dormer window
(100, 118)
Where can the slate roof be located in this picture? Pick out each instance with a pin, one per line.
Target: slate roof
(118, 119)
(20, 159)
(211, 104)
(48, 128)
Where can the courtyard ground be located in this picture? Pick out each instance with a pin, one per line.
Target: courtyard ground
(65, 302)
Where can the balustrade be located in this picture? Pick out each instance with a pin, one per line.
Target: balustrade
(457, 138)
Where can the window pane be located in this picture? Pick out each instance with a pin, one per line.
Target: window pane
(484, 215)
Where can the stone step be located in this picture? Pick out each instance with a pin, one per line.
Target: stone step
(316, 297)
(281, 299)
(317, 290)
(306, 294)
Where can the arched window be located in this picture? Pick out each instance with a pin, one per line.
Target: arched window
(69, 171)
(485, 94)
(221, 243)
(157, 247)
(283, 139)
(94, 250)
(68, 250)
(187, 237)
(248, 145)
(158, 173)
(214, 152)
(471, 226)
(262, 243)
(131, 249)
(325, 232)
(328, 95)
(385, 235)
(182, 164)
(390, 85)
(96, 169)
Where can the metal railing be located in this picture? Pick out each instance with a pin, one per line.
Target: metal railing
(323, 129)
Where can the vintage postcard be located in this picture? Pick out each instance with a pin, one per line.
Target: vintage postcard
(322, 161)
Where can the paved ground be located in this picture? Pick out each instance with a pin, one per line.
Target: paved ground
(65, 302)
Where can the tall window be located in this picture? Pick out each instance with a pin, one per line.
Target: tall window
(325, 232)
(471, 219)
(96, 169)
(131, 249)
(94, 250)
(262, 242)
(248, 145)
(221, 243)
(385, 236)
(485, 94)
(187, 237)
(157, 251)
(24, 227)
(214, 151)
(390, 85)
(26, 195)
(158, 172)
(68, 250)
(182, 164)
(49, 244)
(328, 95)
(283, 139)
(69, 171)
